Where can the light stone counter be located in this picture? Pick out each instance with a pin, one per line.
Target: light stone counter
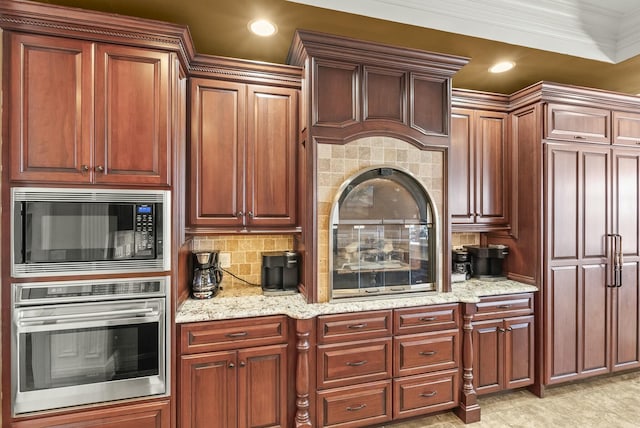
(246, 302)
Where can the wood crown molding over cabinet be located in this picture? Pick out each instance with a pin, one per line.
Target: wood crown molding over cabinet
(362, 88)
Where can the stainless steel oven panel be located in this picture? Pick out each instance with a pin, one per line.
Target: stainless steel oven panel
(44, 293)
(87, 315)
(20, 194)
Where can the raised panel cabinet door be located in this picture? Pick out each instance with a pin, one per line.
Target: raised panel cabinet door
(519, 352)
(207, 390)
(50, 108)
(488, 356)
(262, 387)
(491, 167)
(271, 156)
(626, 128)
(156, 414)
(218, 138)
(427, 98)
(576, 123)
(462, 176)
(133, 135)
(626, 298)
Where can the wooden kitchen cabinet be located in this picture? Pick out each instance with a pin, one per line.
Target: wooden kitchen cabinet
(243, 155)
(241, 385)
(88, 113)
(427, 351)
(479, 182)
(504, 343)
(354, 358)
(593, 323)
(626, 128)
(156, 414)
(577, 123)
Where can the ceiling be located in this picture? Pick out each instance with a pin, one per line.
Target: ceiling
(590, 43)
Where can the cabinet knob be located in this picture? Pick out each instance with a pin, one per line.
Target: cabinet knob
(100, 168)
(231, 365)
(242, 364)
(251, 214)
(239, 214)
(84, 168)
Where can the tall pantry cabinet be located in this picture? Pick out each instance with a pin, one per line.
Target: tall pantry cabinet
(575, 233)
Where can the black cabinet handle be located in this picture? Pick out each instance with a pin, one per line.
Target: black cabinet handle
(428, 353)
(357, 363)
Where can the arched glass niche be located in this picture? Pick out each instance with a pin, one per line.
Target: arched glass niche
(383, 236)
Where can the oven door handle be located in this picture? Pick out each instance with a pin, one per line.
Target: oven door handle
(140, 312)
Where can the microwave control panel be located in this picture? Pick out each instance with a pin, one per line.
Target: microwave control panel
(144, 231)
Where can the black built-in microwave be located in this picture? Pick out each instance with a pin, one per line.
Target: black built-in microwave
(77, 231)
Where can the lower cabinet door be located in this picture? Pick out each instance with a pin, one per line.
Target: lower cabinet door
(364, 405)
(488, 356)
(262, 387)
(145, 415)
(421, 394)
(207, 391)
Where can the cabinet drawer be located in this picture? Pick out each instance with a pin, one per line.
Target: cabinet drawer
(426, 318)
(427, 352)
(417, 395)
(574, 123)
(362, 406)
(354, 362)
(219, 335)
(626, 128)
(355, 326)
(504, 306)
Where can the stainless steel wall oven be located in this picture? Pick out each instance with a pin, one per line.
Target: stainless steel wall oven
(81, 342)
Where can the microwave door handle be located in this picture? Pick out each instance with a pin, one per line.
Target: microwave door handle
(142, 312)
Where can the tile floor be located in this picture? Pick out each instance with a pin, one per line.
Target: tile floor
(606, 402)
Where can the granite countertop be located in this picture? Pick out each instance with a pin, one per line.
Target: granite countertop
(245, 302)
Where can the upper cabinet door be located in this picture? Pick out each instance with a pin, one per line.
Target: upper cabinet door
(271, 156)
(217, 152)
(492, 168)
(50, 108)
(575, 123)
(626, 128)
(132, 116)
(461, 179)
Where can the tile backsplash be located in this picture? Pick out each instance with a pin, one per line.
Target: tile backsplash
(459, 239)
(246, 253)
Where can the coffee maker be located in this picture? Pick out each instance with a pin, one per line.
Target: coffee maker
(461, 264)
(279, 272)
(207, 275)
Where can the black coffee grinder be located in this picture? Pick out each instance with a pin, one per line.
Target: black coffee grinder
(207, 275)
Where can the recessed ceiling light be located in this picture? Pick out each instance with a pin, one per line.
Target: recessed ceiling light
(262, 27)
(501, 67)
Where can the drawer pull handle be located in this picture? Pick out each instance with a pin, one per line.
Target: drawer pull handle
(356, 408)
(429, 394)
(428, 319)
(579, 137)
(358, 326)
(239, 334)
(428, 353)
(357, 363)
(504, 306)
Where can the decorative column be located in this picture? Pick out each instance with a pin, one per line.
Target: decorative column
(303, 330)
(469, 410)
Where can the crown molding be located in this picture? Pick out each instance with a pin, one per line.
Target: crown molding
(608, 32)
